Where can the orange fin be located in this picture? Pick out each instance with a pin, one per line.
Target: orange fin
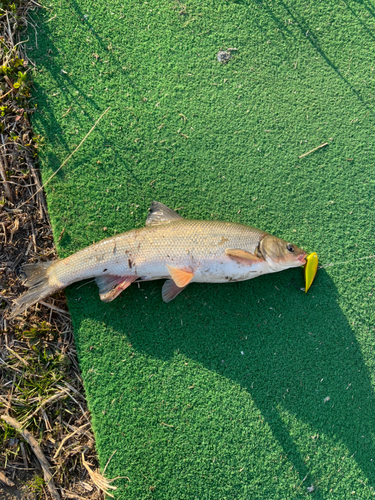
(180, 277)
(111, 286)
(170, 290)
(238, 254)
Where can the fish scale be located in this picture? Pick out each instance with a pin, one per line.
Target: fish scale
(145, 252)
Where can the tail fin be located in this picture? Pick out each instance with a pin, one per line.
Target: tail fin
(38, 282)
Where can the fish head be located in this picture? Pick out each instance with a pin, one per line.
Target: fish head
(280, 254)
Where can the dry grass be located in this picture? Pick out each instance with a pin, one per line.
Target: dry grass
(41, 393)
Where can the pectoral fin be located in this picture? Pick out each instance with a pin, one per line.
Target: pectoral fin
(170, 290)
(111, 286)
(181, 277)
(242, 255)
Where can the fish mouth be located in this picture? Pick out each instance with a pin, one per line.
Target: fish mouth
(302, 258)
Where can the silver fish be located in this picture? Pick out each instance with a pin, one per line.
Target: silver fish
(169, 247)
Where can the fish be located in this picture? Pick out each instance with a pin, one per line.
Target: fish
(170, 247)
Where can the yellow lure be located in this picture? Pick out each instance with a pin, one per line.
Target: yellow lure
(311, 268)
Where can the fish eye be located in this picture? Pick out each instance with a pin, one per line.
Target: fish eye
(290, 247)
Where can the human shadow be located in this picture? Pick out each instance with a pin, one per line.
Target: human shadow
(367, 5)
(309, 35)
(299, 352)
(46, 120)
(364, 25)
(80, 103)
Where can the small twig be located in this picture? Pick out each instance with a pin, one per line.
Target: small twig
(100, 481)
(61, 234)
(38, 453)
(59, 395)
(71, 397)
(68, 437)
(38, 4)
(66, 112)
(5, 480)
(6, 365)
(9, 30)
(51, 19)
(315, 149)
(4, 95)
(3, 166)
(18, 357)
(73, 496)
(72, 389)
(22, 446)
(80, 431)
(5, 233)
(5, 299)
(166, 425)
(33, 235)
(54, 308)
(34, 173)
(106, 465)
(67, 159)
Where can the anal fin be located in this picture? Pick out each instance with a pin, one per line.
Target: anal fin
(111, 286)
(170, 290)
(181, 277)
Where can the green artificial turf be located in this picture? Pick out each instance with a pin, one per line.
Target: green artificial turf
(232, 391)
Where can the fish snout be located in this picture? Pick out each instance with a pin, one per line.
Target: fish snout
(302, 258)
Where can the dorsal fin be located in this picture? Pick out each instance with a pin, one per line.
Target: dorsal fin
(160, 214)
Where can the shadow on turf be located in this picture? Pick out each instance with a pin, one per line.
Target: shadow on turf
(309, 33)
(301, 353)
(78, 102)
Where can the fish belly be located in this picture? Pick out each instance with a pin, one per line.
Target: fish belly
(227, 270)
(213, 270)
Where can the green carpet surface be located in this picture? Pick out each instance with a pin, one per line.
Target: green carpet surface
(233, 391)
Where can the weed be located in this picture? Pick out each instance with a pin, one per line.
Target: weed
(36, 486)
